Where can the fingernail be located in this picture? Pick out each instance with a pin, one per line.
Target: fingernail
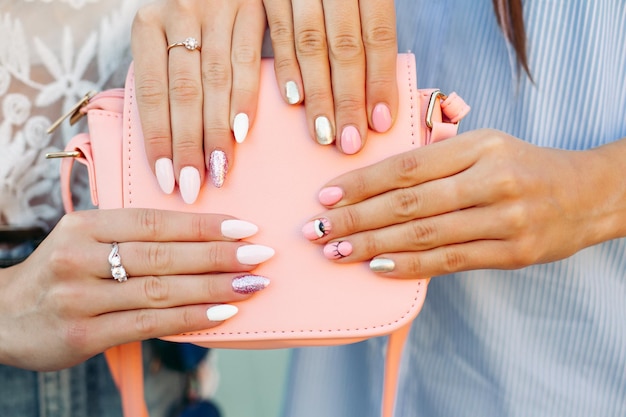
(350, 140)
(330, 196)
(248, 284)
(218, 167)
(337, 250)
(382, 265)
(164, 169)
(323, 131)
(238, 229)
(292, 93)
(221, 312)
(381, 118)
(316, 229)
(189, 184)
(240, 127)
(254, 254)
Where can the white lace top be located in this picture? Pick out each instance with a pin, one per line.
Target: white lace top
(51, 53)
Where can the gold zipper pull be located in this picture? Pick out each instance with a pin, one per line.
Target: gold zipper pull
(74, 113)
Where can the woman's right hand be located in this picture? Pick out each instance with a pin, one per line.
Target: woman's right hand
(62, 306)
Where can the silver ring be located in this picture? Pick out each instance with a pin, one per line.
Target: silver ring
(117, 269)
(190, 43)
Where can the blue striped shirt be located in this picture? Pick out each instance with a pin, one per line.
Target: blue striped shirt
(547, 340)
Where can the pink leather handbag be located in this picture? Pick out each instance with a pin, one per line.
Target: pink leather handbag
(274, 184)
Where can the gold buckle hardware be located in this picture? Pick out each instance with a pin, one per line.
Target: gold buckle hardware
(431, 106)
(74, 113)
(65, 154)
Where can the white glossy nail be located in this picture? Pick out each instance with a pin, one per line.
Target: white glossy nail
(238, 229)
(164, 169)
(189, 183)
(382, 265)
(323, 131)
(292, 93)
(254, 254)
(221, 312)
(241, 124)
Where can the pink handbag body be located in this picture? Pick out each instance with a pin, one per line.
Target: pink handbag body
(273, 183)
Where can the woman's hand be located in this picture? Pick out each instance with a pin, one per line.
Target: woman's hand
(340, 58)
(62, 306)
(480, 200)
(190, 99)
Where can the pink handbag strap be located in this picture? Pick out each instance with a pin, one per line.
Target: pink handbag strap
(125, 361)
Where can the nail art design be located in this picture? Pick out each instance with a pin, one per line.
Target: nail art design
(292, 93)
(317, 228)
(248, 284)
(218, 167)
(324, 131)
(221, 312)
(382, 265)
(338, 250)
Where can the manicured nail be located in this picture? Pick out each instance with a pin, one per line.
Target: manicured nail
(240, 127)
(238, 229)
(316, 229)
(292, 93)
(382, 265)
(189, 183)
(248, 284)
(221, 312)
(337, 250)
(381, 118)
(350, 140)
(218, 167)
(330, 196)
(164, 169)
(323, 131)
(254, 254)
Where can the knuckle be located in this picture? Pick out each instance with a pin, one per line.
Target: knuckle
(188, 319)
(213, 256)
(183, 88)
(310, 42)
(146, 323)
(281, 31)
(245, 55)
(453, 260)
(404, 203)
(146, 16)
(216, 74)
(151, 221)
(158, 256)
(371, 245)
(150, 90)
(351, 219)
(345, 48)
(380, 36)
(407, 168)
(414, 267)
(319, 94)
(283, 64)
(200, 227)
(156, 289)
(350, 103)
(422, 233)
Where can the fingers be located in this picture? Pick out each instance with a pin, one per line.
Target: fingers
(381, 47)
(192, 98)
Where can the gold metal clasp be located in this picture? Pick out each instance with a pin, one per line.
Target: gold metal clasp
(431, 106)
(65, 154)
(74, 113)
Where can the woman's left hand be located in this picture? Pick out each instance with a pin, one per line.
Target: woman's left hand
(483, 199)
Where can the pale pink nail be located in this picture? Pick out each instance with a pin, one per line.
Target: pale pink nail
(248, 284)
(350, 140)
(330, 196)
(189, 184)
(381, 118)
(164, 170)
(316, 229)
(337, 250)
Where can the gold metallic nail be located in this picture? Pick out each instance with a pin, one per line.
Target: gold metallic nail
(382, 265)
(324, 131)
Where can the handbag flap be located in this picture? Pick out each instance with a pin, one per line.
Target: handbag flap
(274, 182)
